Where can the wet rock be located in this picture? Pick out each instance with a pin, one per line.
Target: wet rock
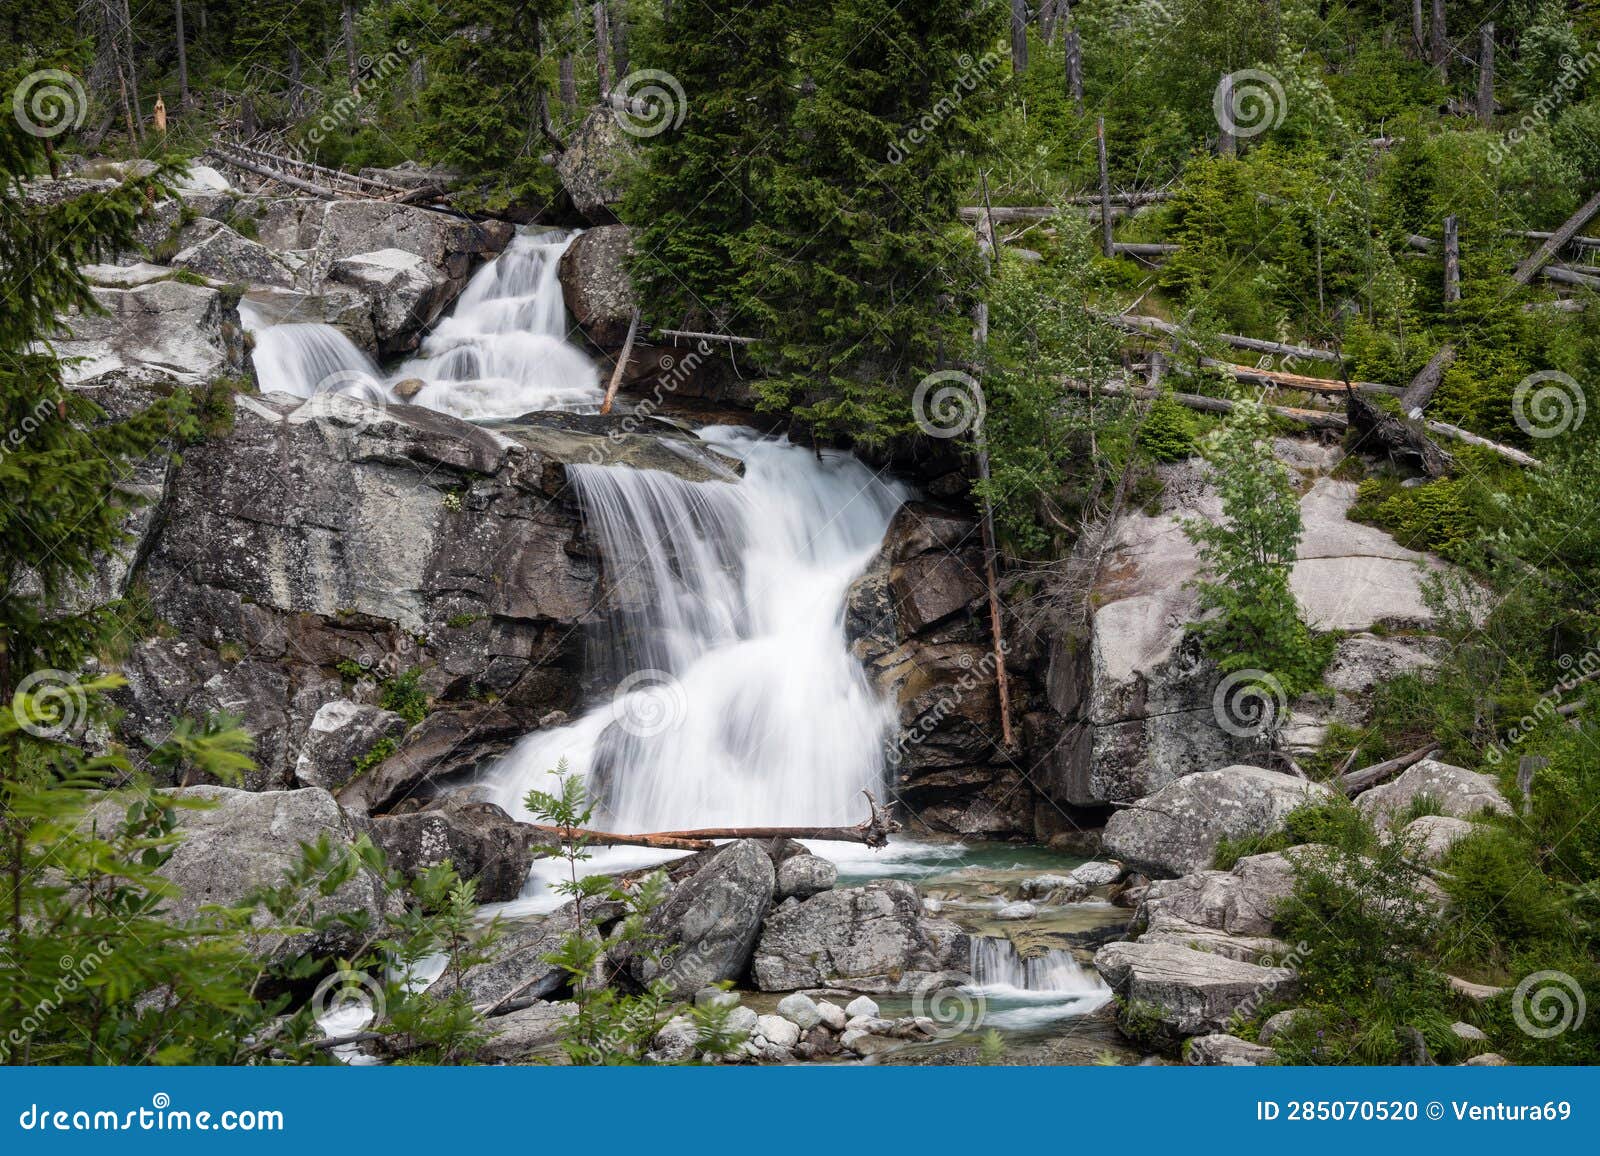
(802, 876)
(406, 291)
(1189, 992)
(1177, 829)
(708, 924)
(1217, 1050)
(1019, 910)
(596, 286)
(340, 733)
(1456, 791)
(872, 938)
(480, 840)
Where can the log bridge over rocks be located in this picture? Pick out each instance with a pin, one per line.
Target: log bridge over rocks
(319, 180)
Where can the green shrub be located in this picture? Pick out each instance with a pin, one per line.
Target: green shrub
(1167, 434)
(404, 695)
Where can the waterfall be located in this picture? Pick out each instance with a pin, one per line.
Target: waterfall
(502, 352)
(738, 701)
(997, 968)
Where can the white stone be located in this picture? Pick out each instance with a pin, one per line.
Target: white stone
(833, 1016)
(1020, 910)
(778, 1031)
(800, 1010)
(861, 1006)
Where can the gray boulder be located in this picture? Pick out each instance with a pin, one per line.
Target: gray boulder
(596, 286)
(800, 1010)
(1189, 992)
(594, 165)
(527, 1033)
(1177, 829)
(1278, 1023)
(873, 938)
(480, 840)
(1218, 1050)
(249, 839)
(190, 333)
(341, 732)
(1458, 792)
(517, 969)
(406, 291)
(216, 251)
(1432, 836)
(1240, 902)
(709, 922)
(802, 876)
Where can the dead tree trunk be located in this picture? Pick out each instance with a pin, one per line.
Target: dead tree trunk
(1047, 20)
(602, 50)
(1439, 45)
(619, 38)
(1486, 73)
(1452, 262)
(1559, 238)
(1107, 246)
(1415, 399)
(622, 363)
(1227, 144)
(1075, 69)
(1357, 781)
(1019, 37)
(352, 62)
(569, 83)
(183, 54)
(1418, 40)
(873, 831)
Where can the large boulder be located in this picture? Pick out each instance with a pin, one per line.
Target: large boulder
(340, 733)
(516, 969)
(249, 839)
(1187, 992)
(1454, 791)
(1177, 829)
(596, 286)
(190, 333)
(594, 165)
(1242, 901)
(1432, 836)
(479, 840)
(531, 1033)
(1360, 663)
(873, 938)
(1134, 705)
(218, 252)
(406, 291)
(708, 924)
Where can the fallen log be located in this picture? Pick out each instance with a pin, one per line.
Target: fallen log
(1142, 249)
(322, 192)
(1316, 419)
(1553, 244)
(874, 831)
(1138, 323)
(1400, 438)
(1564, 275)
(692, 335)
(1510, 453)
(1415, 398)
(1535, 235)
(1357, 781)
(1285, 380)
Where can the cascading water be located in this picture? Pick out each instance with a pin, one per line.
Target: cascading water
(501, 353)
(1023, 992)
(738, 700)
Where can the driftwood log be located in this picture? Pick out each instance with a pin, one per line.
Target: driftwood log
(873, 831)
(1357, 781)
